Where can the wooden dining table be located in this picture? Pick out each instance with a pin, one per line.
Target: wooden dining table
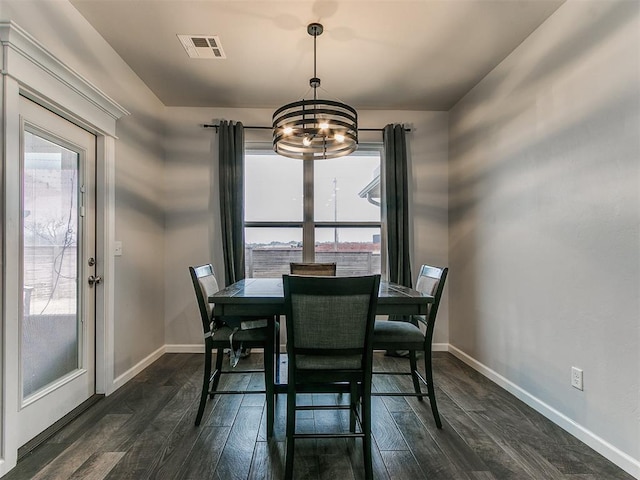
(265, 297)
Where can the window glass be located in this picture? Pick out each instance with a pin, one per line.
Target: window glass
(356, 251)
(273, 188)
(268, 251)
(346, 193)
(347, 189)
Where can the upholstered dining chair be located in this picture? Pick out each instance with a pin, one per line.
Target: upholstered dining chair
(217, 338)
(403, 335)
(329, 324)
(313, 269)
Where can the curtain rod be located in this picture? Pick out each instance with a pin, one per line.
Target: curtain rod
(270, 128)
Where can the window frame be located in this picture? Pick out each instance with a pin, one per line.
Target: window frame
(308, 224)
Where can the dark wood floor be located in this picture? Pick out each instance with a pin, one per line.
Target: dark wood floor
(145, 431)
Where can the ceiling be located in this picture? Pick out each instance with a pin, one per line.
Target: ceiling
(399, 54)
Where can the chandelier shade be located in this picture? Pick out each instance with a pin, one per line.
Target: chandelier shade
(315, 129)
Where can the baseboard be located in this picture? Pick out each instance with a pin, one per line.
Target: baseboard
(604, 448)
(191, 348)
(187, 348)
(439, 347)
(137, 368)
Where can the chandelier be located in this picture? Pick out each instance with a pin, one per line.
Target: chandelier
(315, 129)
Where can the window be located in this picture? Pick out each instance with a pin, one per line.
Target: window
(316, 211)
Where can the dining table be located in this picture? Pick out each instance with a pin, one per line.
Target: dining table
(265, 297)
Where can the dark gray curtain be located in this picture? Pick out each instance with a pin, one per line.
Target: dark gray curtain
(231, 160)
(397, 204)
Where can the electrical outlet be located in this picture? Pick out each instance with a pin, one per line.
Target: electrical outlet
(576, 378)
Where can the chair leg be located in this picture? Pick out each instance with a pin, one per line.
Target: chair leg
(277, 350)
(366, 429)
(269, 387)
(217, 372)
(414, 368)
(205, 384)
(353, 401)
(430, 388)
(291, 429)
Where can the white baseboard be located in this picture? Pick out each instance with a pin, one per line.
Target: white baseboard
(186, 348)
(137, 368)
(439, 347)
(195, 348)
(604, 448)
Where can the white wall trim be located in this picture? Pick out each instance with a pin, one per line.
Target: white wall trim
(440, 347)
(49, 78)
(199, 348)
(604, 448)
(186, 348)
(138, 367)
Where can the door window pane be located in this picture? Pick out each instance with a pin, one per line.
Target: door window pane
(50, 263)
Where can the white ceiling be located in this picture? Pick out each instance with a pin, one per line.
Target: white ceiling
(400, 54)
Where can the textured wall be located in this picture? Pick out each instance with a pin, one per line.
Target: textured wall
(545, 218)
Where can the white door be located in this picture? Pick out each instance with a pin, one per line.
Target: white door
(57, 317)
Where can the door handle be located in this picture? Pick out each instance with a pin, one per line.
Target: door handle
(94, 280)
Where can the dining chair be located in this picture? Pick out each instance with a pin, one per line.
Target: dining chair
(407, 335)
(329, 323)
(217, 337)
(314, 269)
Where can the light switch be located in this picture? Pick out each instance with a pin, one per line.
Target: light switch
(117, 249)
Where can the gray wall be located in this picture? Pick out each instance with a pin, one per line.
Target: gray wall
(192, 235)
(545, 218)
(139, 310)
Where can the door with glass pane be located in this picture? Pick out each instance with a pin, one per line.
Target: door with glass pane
(57, 318)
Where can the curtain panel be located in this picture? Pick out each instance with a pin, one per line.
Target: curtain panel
(396, 213)
(231, 163)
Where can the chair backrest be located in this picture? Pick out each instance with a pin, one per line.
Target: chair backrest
(204, 284)
(313, 269)
(431, 281)
(330, 315)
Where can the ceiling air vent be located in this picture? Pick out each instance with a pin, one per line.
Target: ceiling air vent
(202, 46)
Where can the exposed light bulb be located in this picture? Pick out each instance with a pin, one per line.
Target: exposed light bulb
(339, 137)
(324, 125)
(306, 141)
(288, 130)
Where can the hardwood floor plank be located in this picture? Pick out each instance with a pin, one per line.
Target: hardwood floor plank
(401, 465)
(94, 440)
(32, 463)
(142, 456)
(235, 461)
(384, 429)
(226, 407)
(146, 407)
(98, 466)
(203, 459)
(432, 460)
(494, 457)
(268, 461)
(599, 466)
